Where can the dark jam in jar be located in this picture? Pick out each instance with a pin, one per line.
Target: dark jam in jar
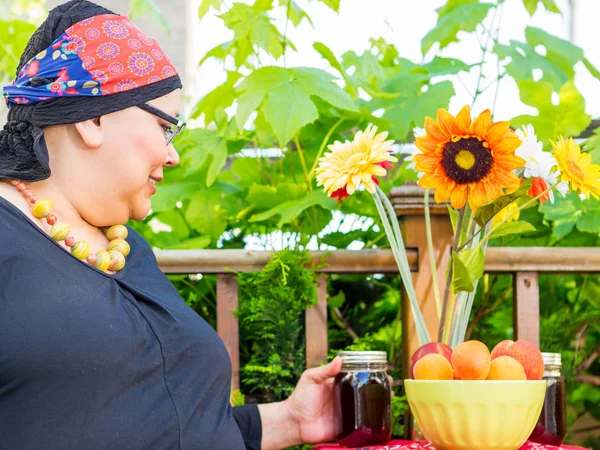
(363, 400)
(552, 424)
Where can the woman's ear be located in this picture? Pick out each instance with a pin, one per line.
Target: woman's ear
(90, 132)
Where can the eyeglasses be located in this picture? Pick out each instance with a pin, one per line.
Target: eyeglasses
(171, 132)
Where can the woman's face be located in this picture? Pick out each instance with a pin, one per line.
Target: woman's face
(127, 163)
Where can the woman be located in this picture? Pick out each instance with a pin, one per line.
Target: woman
(97, 349)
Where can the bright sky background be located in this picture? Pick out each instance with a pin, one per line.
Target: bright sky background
(404, 23)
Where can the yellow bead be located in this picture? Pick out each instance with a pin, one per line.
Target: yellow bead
(117, 231)
(118, 258)
(119, 245)
(60, 231)
(81, 250)
(102, 260)
(42, 208)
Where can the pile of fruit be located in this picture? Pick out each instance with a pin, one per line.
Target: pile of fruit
(472, 360)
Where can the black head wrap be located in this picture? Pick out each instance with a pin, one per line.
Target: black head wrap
(23, 152)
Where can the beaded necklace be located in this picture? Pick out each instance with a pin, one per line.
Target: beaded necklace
(112, 259)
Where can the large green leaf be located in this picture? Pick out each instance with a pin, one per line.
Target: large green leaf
(14, 35)
(467, 268)
(411, 110)
(285, 98)
(202, 146)
(445, 66)
(168, 195)
(462, 16)
(333, 4)
(568, 118)
(174, 218)
(263, 197)
(532, 5)
(328, 55)
(205, 214)
(251, 26)
(138, 8)
(290, 210)
(295, 13)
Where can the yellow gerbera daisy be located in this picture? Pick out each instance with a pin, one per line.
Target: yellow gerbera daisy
(463, 160)
(349, 164)
(577, 168)
(512, 208)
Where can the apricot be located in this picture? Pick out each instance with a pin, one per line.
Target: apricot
(471, 361)
(506, 368)
(526, 353)
(433, 366)
(431, 347)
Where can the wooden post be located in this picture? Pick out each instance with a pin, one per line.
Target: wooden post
(409, 203)
(526, 307)
(227, 323)
(316, 327)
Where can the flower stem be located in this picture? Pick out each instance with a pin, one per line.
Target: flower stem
(518, 210)
(323, 145)
(402, 263)
(432, 264)
(303, 162)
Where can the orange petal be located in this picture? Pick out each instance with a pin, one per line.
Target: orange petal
(426, 144)
(477, 196)
(496, 133)
(463, 120)
(482, 123)
(509, 162)
(507, 146)
(492, 190)
(447, 123)
(459, 197)
(434, 131)
(429, 181)
(425, 163)
(506, 179)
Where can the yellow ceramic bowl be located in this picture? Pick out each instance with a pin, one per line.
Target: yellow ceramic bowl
(476, 415)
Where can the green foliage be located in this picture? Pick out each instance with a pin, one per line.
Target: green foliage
(138, 8)
(272, 303)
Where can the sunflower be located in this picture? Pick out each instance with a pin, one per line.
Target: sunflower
(577, 168)
(350, 164)
(463, 160)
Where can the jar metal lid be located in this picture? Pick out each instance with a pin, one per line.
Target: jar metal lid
(364, 357)
(552, 359)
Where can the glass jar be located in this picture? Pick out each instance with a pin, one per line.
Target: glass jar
(552, 424)
(362, 400)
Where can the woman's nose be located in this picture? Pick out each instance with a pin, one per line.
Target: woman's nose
(172, 157)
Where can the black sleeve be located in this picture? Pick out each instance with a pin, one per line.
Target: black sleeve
(248, 419)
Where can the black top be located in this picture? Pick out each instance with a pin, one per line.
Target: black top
(90, 360)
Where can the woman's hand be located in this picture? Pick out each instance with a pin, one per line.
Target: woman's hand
(306, 417)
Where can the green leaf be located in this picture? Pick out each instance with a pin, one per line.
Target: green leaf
(568, 118)
(253, 26)
(206, 5)
(328, 55)
(202, 146)
(337, 301)
(486, 213)
(411, 110)
(174, 218)
(220, 98)
(589, 221)
(138, 8)
(290, 210)
(592, 146)
(295, 13)
(467, 267)
(199, 243)
(463, 17)
(285, 96)
(263, 197)
(532, 5)
(167, 195)
(14, 35)
(333, 4)
(218, 52)
(445, 66)
(508, 228)
(204, 214)
(562, 208)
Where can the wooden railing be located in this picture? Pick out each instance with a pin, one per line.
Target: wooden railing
(523, 263)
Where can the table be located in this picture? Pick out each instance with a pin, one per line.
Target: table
(420, 445)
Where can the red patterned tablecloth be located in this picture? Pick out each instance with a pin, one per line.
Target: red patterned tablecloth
(415, 445)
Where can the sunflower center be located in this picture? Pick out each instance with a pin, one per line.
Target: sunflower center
(465, 159)
(468, 160)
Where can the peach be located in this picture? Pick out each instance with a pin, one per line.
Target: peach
(433, 366)
(471, 361)
(524, 352)
(429, 348)
(506, 368)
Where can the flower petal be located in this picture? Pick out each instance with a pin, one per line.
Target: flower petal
(447, 123)
(434, 131)
(480, 125)
(463, 120)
